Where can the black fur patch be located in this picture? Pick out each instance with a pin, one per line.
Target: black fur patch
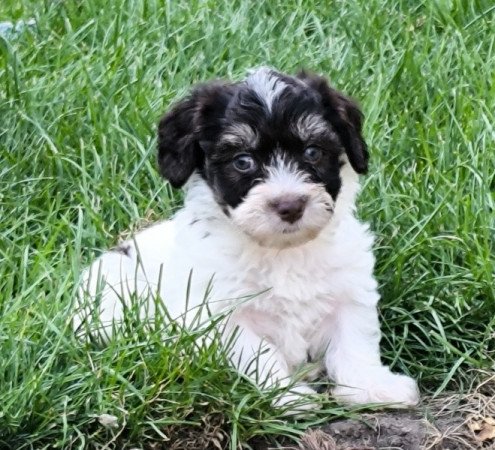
(189, 136)
(124, 249)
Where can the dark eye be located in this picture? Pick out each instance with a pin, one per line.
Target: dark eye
(244, 163)
(312, 155)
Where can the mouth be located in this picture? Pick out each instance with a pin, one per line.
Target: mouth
(288, 231)
(291, 229)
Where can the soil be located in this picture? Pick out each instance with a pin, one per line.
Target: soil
(451, 422)
(386, 430)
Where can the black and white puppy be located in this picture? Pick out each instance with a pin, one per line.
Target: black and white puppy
(270, 166)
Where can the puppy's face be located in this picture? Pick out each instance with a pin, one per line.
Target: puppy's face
(271, 148)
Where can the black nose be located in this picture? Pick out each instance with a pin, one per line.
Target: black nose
(290, 209)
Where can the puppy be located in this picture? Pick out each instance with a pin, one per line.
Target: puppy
(270, 167)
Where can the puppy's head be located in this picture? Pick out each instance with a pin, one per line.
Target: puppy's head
(271, 148)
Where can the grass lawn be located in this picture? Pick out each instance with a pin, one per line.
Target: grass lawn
(80, 96)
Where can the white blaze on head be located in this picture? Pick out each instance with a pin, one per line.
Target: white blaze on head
(284, 177)
(267, 84)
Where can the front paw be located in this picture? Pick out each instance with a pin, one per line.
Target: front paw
(379, 386)
(297, 400)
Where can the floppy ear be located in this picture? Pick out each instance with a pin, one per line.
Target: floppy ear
(177, 150)
(345, 117)
(182, 129)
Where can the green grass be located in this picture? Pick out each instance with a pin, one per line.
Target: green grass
(79, 99)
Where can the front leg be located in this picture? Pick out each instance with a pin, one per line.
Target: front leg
(265, 365)
(353, 360)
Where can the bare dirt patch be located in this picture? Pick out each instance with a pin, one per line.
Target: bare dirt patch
(450, 422)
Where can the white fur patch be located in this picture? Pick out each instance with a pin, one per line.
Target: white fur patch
(283, 173)
(266, 84)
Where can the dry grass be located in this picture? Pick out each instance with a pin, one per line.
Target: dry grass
(465, 421)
